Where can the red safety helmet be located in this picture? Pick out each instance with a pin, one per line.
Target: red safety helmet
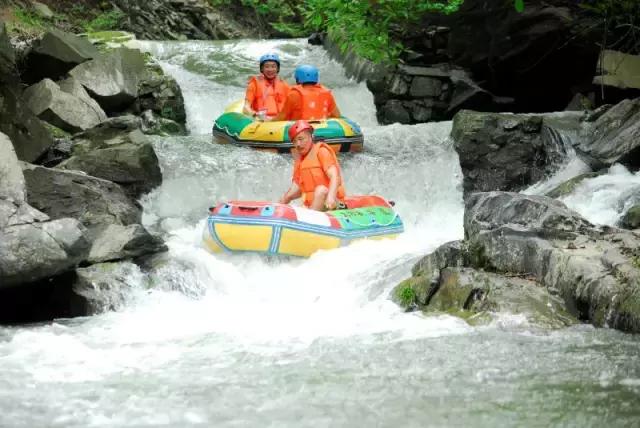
(298, 127)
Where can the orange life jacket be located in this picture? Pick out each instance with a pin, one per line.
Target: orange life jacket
(316, 101)
(312, 175)
(269, 97)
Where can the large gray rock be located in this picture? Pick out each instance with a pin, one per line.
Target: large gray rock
(96, 202)
(595, 272)
(32, 247)
(29, 136)
(537, 215)
(34, 251)
(105, 286)
(118, 242)
(613, 137)
(71, 110)
(55, 54)
(126, 158)
(501, 151)
(12, 185)
(162, 95)
(113, 78)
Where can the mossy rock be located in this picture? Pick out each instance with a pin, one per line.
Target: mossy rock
(570, 185)
(631, 219)
(56, 132)
(478, 296)
(411, 292)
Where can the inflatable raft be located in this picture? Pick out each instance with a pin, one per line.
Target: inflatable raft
(272, 228)
(341, 134)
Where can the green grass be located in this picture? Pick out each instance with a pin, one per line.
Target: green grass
(27, 18)
(105, 21)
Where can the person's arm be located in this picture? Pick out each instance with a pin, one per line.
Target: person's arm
(294, 192)
(334, 181)
(335, 112)
(290, 105)
(248, 99)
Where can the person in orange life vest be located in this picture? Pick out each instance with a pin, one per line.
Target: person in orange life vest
(308, 100)
(266, 93)
(316, 172)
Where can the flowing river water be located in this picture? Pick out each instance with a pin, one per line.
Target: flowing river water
(204, 340)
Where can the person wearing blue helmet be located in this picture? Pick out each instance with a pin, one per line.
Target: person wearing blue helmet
(266, 93)
(308, 99)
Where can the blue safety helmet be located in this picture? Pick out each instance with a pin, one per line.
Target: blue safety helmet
(270, 57)
(306, 74)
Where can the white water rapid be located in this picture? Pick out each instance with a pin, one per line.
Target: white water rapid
(244, 341)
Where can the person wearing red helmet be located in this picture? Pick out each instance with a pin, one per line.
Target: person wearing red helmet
(317, 177)
(266, 93)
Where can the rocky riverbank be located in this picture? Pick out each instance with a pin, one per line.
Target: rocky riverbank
(529, 254)
(75, 159)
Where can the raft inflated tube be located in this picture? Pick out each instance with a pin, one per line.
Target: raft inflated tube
(234, 127)
(272, 228)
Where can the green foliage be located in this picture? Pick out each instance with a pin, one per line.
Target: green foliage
(28, 18)
(372, 28)
(406, 295)
(519, 5)
(105, 21)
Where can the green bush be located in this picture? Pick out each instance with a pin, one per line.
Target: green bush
(372, 28)
(28, 18)
(105, 21)
(369, 27)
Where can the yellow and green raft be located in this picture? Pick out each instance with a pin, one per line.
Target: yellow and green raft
(341, 134)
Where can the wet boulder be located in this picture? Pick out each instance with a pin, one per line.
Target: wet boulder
(502, 151)
(116, 154)
(119, 242)
(594, 272)
(535, 215)
(38, 250)
(95, 202)
(567, 187)
(31, 246)
(104, 286)
(29, 136)
(631, 219)
(70, 109)
(113, 78)
(55, 54)
(614, 137)
(162, 95)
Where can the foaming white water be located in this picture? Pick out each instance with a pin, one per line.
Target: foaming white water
(573, 166)
(337, 293)
(604, 199)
